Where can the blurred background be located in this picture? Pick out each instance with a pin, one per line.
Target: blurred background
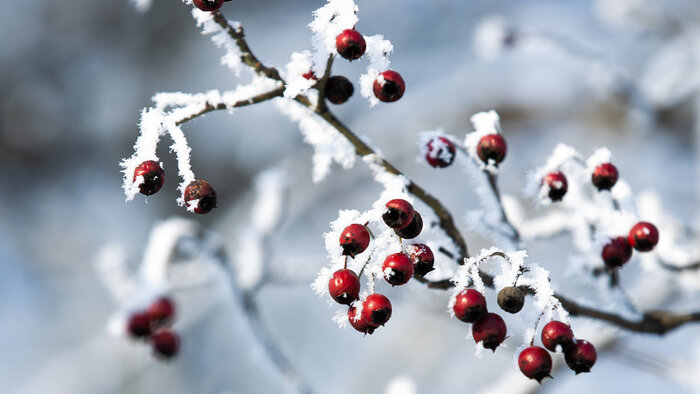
(618, 73)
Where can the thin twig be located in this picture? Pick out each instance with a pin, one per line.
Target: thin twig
(242, 103)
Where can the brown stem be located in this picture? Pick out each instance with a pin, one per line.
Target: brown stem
(242, 103)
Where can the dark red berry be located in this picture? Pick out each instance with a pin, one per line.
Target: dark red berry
(202, 195)
(344, 286)
(361, 323)
(581, 356)
(166, 343)
(161, 311)
(338, 89)
(309, 75)
(398, 214)
(354, 239)
(208, 5)
(153, 177)
(422, 258)
(616, 252)
(604, 176)
(557, 333)
(643, 236)
(397, 269)
(389, 86)
(511, 299)
(413, 229)
(376, 308)
(139, 325)
(440, 152)
(492, 147)
(490, 331)
(556, 181)
(350, 44)
(535, 363)
(470, 306)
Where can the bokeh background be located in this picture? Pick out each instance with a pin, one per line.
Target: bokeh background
(75, 74)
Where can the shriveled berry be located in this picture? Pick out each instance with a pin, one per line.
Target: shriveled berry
(161, 311)
(535, 363)
(202, 195)
(338, 89)
(350, 44)
(643, 236)
(469, 306)
(398, 214)
(344, 286)
(389, 86)
(490, 331)
(360, 322)
(208, 5)
(376, 308)
(511, 299)
(616, 252)
(397, 269)
(139, 325)
(557, 333)
(556, 182)
(166, 343)
(581, 356)
(413, 229)
(354, 239)
(422, 258)
(440, 152)
(153, 177)
(604, 176)
(492, 147)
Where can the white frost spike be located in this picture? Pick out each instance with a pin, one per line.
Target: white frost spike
(510, 269)
(221, 39)
(151, 128)
(469, 272)
(329, 21)
(600, 156)
(299, 65)
(378, 51)
(182, 152)
(329, 145)
(484, 123)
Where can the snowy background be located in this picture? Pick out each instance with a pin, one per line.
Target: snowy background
(617, 73)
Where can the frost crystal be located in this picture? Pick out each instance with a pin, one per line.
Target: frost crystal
(221, 39)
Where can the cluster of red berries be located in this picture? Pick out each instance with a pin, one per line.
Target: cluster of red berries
(604, 177)
(208, 5)
(440, 151)
(153, 323)
(388, 87)
(488, 328)
(198, 192)
(536, 363)
(398, 268)
(643, 237)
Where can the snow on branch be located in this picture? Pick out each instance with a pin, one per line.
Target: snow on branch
(329, 21)
(221, 38)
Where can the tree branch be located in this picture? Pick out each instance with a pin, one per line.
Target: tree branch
(242, 103)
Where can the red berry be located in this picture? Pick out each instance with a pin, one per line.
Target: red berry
(557, 333)
(470, 306)
(556, 181)
(354, 239)
(616, 252)
(161, 311)
(350, 44)
(490, 330)
(139, 325)
(208, 5)
(492, 147)
(153, 177)
(376, 308)
(643, 236)
(338, 89)
(581, 356)
(440, 152)
(389, 86)
(398, 214)
(361, 323)
(166, 343)
(202, 194)
(397, 269)
(422, 258)
(309, 75)
(413, 229)
(604, 176)
(344, 286)
(535, 363)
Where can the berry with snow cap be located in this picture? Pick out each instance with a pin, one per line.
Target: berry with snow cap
(440, 152)
(361, 322)
(556, 181)
(153, 177)
(202, 194)
(397, 269)
(389, 86)
(422, 258)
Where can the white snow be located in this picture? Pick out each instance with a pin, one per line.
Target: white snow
(378, 51)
